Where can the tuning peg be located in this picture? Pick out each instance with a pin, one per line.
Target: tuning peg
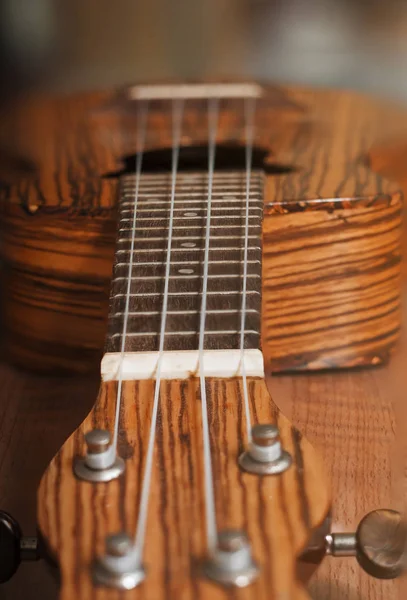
(379, 544)
(100, 463)
(265, 455)
(14, 548)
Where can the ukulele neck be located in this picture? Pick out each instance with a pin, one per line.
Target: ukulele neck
(234, 270)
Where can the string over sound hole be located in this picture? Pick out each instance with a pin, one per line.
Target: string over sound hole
(195, 158)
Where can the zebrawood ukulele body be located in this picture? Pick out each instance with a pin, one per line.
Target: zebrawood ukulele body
(324, 211)
(311, 234)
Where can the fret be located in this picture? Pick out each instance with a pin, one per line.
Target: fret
(214, 211)
(234, 252)
(177, 228)
(187, 262)
(176, 284)
(191, 193)
(226, 193)
(183, 312)
(216, 241)
(189, 221)
(183, 341)
(178, 323)
(153, 232)
(182, 332)
(231, 300)
(222, 201)
(157, 269)
(183, 277)
(225, 268)
(225, 221)
(197, 293)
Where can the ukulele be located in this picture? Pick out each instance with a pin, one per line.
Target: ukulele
(249, 236)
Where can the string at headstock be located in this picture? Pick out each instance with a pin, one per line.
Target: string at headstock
(183, 509)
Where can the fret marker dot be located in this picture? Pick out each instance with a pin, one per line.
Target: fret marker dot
(190, 214)
(185, 271)
(188, 244)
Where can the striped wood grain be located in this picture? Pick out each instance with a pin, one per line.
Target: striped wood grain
(58, 223)
(278, 513)
(332, 287)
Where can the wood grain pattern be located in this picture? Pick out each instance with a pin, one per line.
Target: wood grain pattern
(348, 417)
(57, 275)
(186, 272)
(332, 287)
(322, 136)
(277, 512)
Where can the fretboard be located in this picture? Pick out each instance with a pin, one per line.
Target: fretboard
(225, 267)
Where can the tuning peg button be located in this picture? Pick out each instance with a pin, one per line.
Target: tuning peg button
(97, 441)
(14, 548)
(379, 544)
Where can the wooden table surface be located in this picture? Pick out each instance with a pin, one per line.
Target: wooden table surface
(348, 416)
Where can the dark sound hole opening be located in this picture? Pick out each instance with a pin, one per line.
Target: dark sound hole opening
(195, 158)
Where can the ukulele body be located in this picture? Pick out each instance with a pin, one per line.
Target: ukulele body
(331, 235)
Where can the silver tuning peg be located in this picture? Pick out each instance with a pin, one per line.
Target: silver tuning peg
(101, 464)
(265, 455)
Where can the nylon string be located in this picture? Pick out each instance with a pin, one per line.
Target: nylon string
(210, 514)
(142, 112)
(249, 109)
(177, 113)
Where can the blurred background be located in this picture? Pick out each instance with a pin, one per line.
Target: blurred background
(83, 44)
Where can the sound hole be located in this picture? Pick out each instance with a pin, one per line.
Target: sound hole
(195, 158)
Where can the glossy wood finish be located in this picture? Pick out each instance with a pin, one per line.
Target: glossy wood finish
(58, 222)
(348, 417)
(332, 287)
(278, 513)
(57, 275)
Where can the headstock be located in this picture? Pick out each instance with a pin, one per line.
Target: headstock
(278, 513)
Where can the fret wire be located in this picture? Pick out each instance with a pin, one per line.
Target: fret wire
(185, 239)
(209, 293)
(188, 190)
(222, 201)
(226, 190)
(169, 333)
(159, 278)
(185, 227)
(194, 218)
(189, 262)
(177, 115)
(185, 312)
(213, 249)
(196, 208)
